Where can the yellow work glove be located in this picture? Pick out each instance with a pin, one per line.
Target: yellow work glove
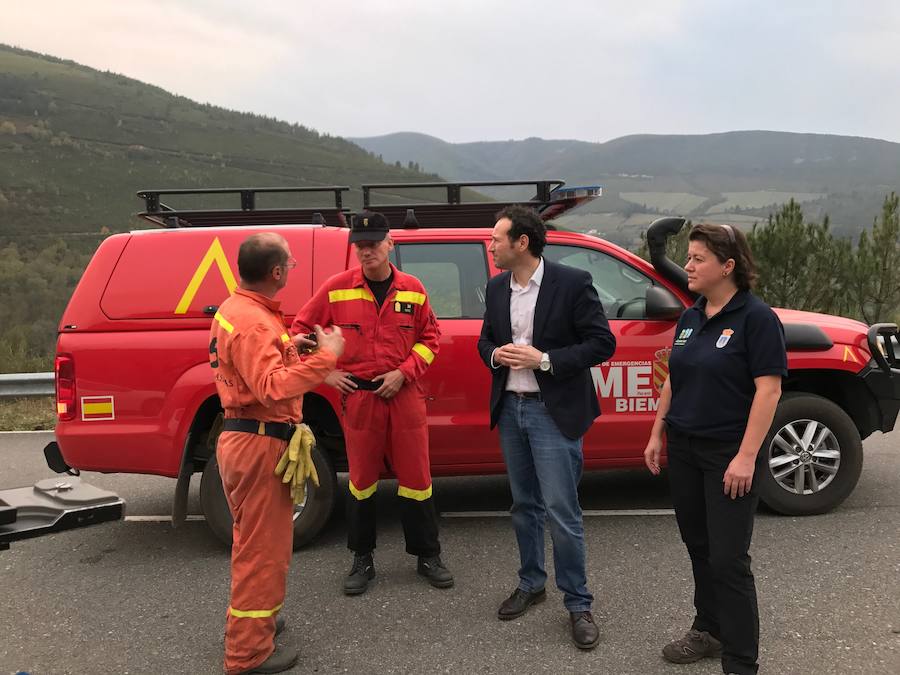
(296, 464)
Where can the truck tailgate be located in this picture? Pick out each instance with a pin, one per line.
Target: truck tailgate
(53, 505)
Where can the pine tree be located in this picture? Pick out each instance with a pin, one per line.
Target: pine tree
(801, 265)
(875, 276)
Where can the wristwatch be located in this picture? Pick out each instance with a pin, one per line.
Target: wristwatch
(545, 362)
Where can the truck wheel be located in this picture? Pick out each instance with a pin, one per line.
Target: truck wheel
(813, 456)
(309, 517)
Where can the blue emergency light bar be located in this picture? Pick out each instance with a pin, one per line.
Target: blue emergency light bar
(577, 192)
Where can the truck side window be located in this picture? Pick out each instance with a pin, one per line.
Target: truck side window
(622, 288)
(455, 276)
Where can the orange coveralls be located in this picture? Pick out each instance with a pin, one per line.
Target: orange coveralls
(260, 376)
(401, 334)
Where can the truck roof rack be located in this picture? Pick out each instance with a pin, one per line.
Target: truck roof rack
(248, 214)
(551, 199)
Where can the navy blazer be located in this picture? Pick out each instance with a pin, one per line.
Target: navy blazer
(570, 325)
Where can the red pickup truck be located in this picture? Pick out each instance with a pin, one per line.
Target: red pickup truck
(135, 391)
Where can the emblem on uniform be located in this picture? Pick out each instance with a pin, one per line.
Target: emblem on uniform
(724, 338)
(404, 307)
(683, 337)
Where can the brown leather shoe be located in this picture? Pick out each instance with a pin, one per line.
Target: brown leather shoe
(585, 633)
(518, 603)
(283, 658)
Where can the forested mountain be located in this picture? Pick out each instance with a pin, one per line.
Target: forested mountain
(76, 143)
(737, 177)
(75, 146)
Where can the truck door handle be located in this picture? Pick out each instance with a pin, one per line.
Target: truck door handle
(210, 309)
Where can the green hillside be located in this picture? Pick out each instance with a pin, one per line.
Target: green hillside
(75, 146)
(76, 143)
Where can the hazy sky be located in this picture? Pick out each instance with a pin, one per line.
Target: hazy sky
(494, 70)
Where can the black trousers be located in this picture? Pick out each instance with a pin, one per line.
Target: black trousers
(419, 519)
(717, 530)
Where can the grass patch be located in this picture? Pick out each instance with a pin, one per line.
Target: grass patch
(32, 413)
(669, 202)
(762, 198)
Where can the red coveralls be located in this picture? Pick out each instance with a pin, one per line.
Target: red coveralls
(259, 376)
(401, 334)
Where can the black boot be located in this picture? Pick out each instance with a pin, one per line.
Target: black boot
(363, 571)
(433, 569)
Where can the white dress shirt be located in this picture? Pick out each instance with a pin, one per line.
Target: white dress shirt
(522, 301)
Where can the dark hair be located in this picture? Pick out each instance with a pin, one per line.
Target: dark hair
(525, 221)
(257, 256)
(726, 241)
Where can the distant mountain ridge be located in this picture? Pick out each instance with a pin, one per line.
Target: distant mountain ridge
(855, 161)
(725, 176)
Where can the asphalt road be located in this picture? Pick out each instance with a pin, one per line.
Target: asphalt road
(140, 597)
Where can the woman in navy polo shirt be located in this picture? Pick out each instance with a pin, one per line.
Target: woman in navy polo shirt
(715, 410)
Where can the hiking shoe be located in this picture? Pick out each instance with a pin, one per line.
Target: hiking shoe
(585, 633)
(283, 658)
(433, 569)
(695, 645)
(362, 572)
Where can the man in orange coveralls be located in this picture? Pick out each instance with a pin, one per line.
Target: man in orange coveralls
(392, 338)
(261, 381)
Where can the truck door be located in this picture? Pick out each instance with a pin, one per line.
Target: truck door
(457, 384)
(628, 385)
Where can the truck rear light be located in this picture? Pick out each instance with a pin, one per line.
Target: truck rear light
(64, 367)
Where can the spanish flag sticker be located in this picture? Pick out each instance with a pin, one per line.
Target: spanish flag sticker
(97, 408)
(724, 338)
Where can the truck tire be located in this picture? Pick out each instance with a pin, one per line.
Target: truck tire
(812, 456)
(309, 518)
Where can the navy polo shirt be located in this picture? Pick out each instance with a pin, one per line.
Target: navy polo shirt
(714, 361)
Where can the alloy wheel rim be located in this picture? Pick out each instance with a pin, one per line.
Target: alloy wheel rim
(804, 457)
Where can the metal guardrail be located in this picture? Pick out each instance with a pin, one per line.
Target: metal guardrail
(27, 384)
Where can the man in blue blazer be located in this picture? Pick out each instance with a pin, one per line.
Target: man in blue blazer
(544, 328)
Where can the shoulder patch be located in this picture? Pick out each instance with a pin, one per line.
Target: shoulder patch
(683, 336)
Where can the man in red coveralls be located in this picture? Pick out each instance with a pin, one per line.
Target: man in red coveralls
(261, 381)
(392, 337)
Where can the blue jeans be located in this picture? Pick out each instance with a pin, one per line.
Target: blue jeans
(544, 468)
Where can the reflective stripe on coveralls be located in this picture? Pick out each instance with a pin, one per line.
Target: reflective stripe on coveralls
(254, 613)
(418, 495)
(402, 491)
(410, 296)
(345, 294)
(365, 493)
(424, 352)
(224, 322)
